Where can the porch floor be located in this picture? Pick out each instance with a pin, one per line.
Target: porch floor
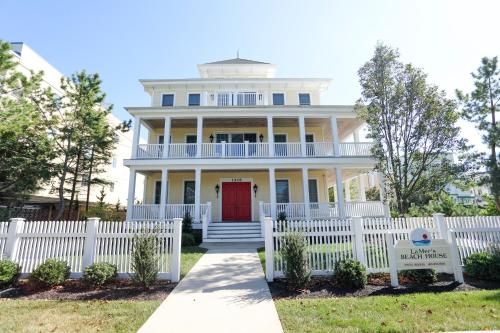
(225, 291)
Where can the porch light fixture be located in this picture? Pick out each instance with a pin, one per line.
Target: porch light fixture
(211, 137)
(261, 137)
(217, 188)
(255, 188)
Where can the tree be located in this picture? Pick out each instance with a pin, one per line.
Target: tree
(413, 126)
(481, 107)
(26, 149)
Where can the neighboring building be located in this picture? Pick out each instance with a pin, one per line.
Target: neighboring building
(238, 144)
(28, 60)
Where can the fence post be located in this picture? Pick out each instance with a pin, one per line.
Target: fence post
(387, 209)
(455, 257)
(204, 226)
(175, 263)
(391, 254)
(440, 225)
(261, 218)
(11, 246)
(90, 238)
(268, 234)
(357, 224)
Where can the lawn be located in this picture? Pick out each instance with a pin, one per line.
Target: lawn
(83, 316)
(424, 312)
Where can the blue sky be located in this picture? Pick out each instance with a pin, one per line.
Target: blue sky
(127, 40)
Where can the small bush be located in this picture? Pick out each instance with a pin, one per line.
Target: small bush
(9, 273)
(420, 275)
(295, 257)
(187, 223)
(145, 259)
(483, 265)
(51, 273)
(97, 275)
(198, 237)
(188, 240)
(349, 273)
(282, 216)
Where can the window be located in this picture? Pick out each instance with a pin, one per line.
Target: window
(167, 100)
(282, 191)
(114, 162)
(313, 190)
(158, 192)
(279, 99)
(304, 99)
(112, 187)
(194, 100)
(189, 192)
(85, 180)
(161, 139)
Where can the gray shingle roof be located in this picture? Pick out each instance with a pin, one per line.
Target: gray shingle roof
(237, 61)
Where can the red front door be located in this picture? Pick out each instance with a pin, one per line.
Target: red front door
(236, 201)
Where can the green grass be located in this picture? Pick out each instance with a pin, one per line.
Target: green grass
(261, 251)
(84, 316)
(424, 312)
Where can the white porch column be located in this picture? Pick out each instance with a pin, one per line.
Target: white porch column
(347, 185)
(362, 189)
(199, 135)
(335, 136)
(270, 135)
(305, 187)
(166, 137)
(272, 192)
(163, 193)
(137, 133)
(302, 133)
(131, 193)
(197, 194)
(340, 192)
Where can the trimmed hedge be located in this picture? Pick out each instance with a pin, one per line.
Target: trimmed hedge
(420, 275)
(484, 265)
(97, 275)
(188, 240)
(51, 273)
(9, 273)
(349, 273)
(296, 268)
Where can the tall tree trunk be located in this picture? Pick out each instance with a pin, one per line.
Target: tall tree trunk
(62, 180)
(75, 180)
(494, 172)
(90, 179)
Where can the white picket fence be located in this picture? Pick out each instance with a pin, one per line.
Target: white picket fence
(365, 239)
(82, 243)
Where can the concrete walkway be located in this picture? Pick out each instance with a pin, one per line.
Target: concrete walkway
(225, 292)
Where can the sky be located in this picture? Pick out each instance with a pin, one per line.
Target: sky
(125, 41)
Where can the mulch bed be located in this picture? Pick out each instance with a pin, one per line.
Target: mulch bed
(378, 284)
(74, 290)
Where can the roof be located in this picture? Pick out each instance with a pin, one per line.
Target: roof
(237, 61)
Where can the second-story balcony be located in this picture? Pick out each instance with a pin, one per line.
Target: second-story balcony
(253, 150)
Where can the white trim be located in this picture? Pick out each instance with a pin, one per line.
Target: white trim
(241, 180)
(194, 93)
(278, 92)
(298, 98)
(161, 100)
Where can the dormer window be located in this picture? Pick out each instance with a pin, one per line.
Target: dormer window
(304, 99)
(194, 99)
(278, 99)
(167, 100)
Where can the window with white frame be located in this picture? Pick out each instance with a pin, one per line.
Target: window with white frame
(194, 99)
(167, 100)
(282, 191)
(278, 99)
(313, 190)
(304, 99)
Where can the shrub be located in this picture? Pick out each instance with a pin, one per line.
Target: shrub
(97, 275)
(483, 265)
(282, 216)
(295, 257)
(145, 259)
(188, 240)
(51, 273)
(349, 273)
(198, 237)
(187, 223)
(9, 273)
(420, 275)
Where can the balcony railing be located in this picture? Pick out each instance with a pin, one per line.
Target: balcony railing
(152, 211)
(252, 150)
(236, 99)
(321, 210)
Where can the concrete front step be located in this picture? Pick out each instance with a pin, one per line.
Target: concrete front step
(233, 224)
(232, 240)
(232, 231)
(235, 235)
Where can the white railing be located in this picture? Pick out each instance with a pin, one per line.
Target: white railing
(236, 99)
(298, 210)
(146, 212)
(82, 243)
(252, 149)
(150, 151)
(287, 149)
(319, 149)
(355, 148)
(4, 227)
(179, 210)
(364, 208)
(365, 239)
